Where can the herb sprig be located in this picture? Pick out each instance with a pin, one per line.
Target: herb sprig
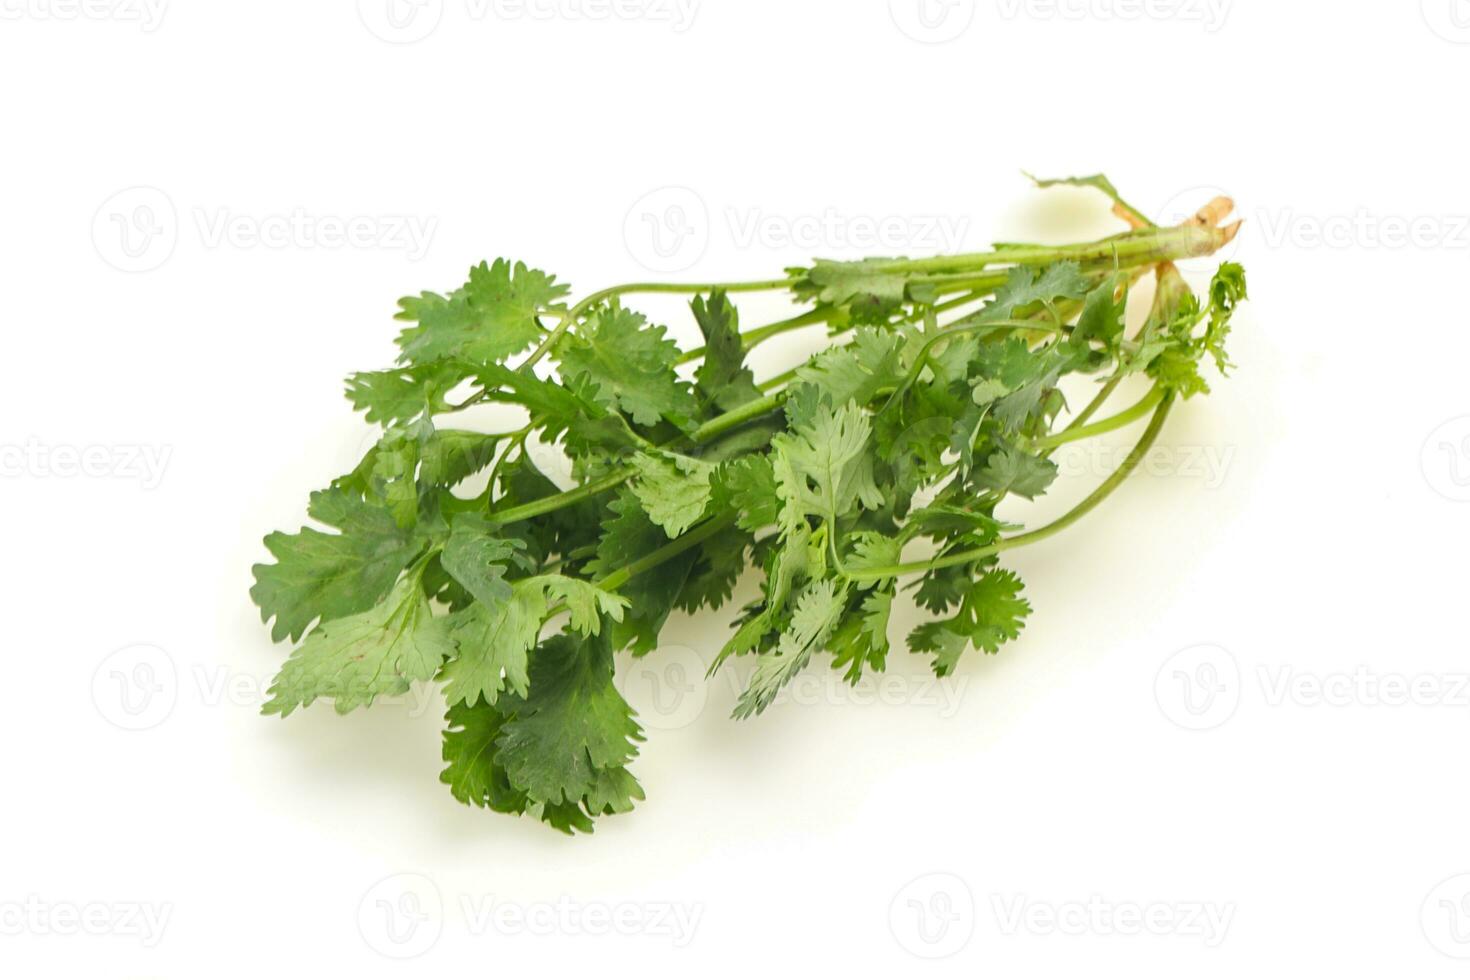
(877, 465)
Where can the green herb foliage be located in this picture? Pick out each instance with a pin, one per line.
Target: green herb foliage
(876, 466)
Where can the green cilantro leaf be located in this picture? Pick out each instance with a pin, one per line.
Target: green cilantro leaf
(871, 551)
(1102, 313)
(1227, 290)
(586, 603)
(818, 609)
(451, 455)
(572, 724)
(326, 576)
(631, 366)
(494, 636)
(674, 490)
(749, 486)
(861, 641)
(824, 469)
(614, 790)
(477, 559)
(991, 612)
(722, 378)
(869, 289)
(492, 642)
(357, 658)
(1028, 289)
(1012, 470)
(855, 373)
(406, 393)
(493, 316)
(472, 774)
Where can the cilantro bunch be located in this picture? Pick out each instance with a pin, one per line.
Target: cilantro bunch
(877, 465)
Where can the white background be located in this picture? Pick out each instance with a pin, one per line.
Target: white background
(1303, 530)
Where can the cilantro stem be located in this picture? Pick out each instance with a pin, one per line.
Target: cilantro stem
(1132, 414)
(675, 547)
(952, 274)
(1142, 247)
(780, 379)
(1129, 464)
(1092, 407)
(566, 498)
(735, 418)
